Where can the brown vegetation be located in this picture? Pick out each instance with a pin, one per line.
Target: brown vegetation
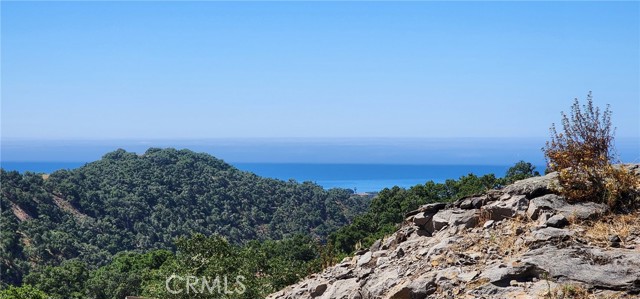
(582, 155)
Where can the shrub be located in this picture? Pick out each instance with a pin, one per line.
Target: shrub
(520, 171)
(582, 155)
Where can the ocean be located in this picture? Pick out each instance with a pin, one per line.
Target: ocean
(358, 177)
(360, 164)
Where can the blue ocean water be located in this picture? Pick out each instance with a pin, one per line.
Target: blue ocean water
(358, 177)
(369, 177)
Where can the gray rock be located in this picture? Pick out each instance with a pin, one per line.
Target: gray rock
(502, 275)
(557, 204)
(472, 202)
(342, 273)
(614, 241)
(549, 202)
(468, 276)
(388, 243)
(379, 253)
(615, 269)
(421, 219)
(381, 261)
(532, 187)
(364, 259)
(402, 234)
(344, 289)
(465, 218)
(488, 224)
(375, 246)
(431, 208)
(362, 273)
(542, 219)
(417, 289)
(507, 208)
(583, 210)
(557, 221)
(423, 233)
(549, 234)
(360, 251)
(318, 290)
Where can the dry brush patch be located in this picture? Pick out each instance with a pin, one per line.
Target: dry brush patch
(576, 291)
(599, 231)
(506, 239)
(582, 154)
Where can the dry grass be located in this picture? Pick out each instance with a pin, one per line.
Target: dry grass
(575, 291)
(478, 282)
(483, 217)
(567, 291)
(497, 243)
(504, 238)
(623, 225)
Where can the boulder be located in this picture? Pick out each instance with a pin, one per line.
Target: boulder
(532, 187)
(431, 208)
(375, 246)
(508, 207)
(472, 202)
(557, 204)
(417, 289)
(615, 269)
(364, 259)
(502, 275)
(318, 290)
(557, 221)
(343, 289)
(549, 234)
(583, 210)
(549, 202)
(421, 219)
(465, 218)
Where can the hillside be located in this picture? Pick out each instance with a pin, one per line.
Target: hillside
(521, 241)
(127, 201)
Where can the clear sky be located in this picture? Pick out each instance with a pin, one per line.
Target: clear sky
(107, 70)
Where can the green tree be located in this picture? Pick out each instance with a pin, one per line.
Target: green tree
(125, 274)
(64, 282)
(520, 171)
(22, 292)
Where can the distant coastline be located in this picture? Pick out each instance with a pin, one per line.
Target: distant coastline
(365, 164)
(358, 177)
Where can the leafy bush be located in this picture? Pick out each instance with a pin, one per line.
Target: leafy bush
(582, 156)
(520, 171)
(23, 292)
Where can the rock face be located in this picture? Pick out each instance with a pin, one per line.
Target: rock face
(523, 241)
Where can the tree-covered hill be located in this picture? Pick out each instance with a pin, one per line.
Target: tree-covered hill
(127, 201)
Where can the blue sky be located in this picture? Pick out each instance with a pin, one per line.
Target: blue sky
(167, 70)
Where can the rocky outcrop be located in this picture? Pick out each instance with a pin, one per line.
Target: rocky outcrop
(523, 241)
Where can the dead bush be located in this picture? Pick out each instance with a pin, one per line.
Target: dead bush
(582, 155)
